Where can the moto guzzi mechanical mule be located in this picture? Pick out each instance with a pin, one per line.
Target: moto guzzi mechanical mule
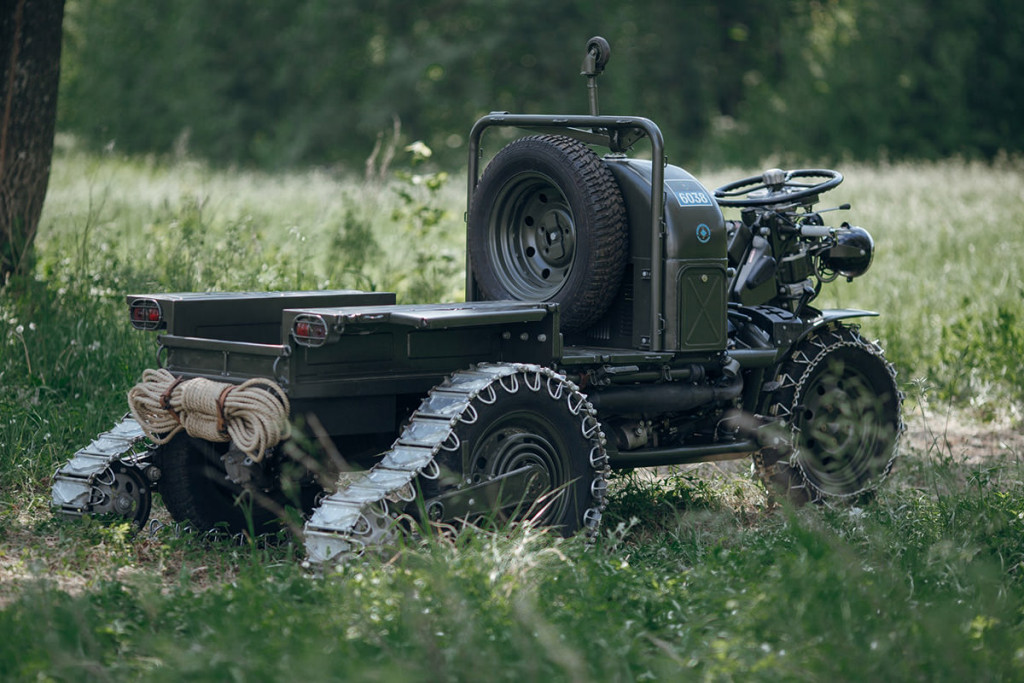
(614, 319)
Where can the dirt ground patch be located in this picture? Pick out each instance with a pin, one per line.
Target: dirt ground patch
(961, 438)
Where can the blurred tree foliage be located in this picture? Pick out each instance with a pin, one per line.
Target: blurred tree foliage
(289, 82)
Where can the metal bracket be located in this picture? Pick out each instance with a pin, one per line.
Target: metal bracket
(504, 491)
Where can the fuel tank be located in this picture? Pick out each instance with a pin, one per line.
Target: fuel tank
(694, 274)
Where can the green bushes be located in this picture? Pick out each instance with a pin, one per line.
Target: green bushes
(284, 84)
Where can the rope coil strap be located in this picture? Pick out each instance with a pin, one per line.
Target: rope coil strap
(253, 414)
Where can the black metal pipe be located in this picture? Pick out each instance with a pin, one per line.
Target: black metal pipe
(681, 455)
(666, 397)
(754, 358)
(652, 375)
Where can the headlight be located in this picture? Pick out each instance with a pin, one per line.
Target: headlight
(851, 255)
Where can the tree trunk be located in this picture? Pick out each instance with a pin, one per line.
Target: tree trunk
(30, 40)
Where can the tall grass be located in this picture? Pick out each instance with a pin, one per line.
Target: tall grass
(694, 575)
(949, 275)
(912, 588)
(140, 224)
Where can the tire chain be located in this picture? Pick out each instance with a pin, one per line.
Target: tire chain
(766, 470)
(358, 516)
(85, 484)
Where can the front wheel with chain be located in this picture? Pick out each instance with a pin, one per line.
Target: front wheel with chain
(839, 400)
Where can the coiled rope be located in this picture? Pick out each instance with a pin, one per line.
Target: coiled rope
(253, 414)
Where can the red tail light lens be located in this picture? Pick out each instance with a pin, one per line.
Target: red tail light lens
(146, 314)
(309, 330)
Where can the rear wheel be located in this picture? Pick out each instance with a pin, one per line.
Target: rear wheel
(842, 406)
(195, 489)
(548, 223)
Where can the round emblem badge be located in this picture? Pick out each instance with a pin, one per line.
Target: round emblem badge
(703, 233)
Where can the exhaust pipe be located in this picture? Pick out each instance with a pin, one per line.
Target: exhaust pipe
(667, 397)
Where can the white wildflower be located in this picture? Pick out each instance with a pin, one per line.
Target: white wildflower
(419, 150)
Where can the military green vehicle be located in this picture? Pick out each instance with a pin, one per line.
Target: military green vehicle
(614, 319)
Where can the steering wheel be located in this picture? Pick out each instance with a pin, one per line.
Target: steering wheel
(775, 186)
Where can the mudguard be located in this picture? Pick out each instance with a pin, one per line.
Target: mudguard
(832, 315)
(785, 330)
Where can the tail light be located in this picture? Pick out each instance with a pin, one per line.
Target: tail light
(146, 314)
(309, 330)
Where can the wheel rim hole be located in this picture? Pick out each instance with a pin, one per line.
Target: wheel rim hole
(530, 251)
(546, 273)
(529, 221)
(543, 198)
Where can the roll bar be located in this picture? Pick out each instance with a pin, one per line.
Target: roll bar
(617, 133)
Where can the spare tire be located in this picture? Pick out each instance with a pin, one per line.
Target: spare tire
(547, 223)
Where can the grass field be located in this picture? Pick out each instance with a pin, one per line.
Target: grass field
(693, 573)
